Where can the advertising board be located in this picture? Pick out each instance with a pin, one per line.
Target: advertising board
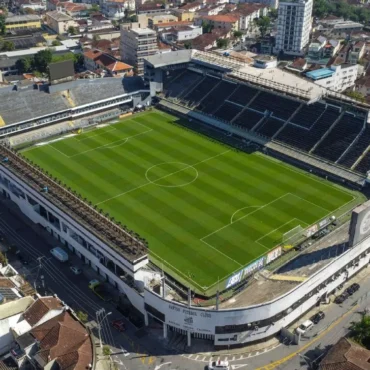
(240, 275)
(324, 222)
(311, 230)
(273, 255)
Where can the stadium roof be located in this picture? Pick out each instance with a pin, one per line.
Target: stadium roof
(174, 57)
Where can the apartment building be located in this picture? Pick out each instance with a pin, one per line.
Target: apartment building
(294, 24)
(19, 22)
(137, 44)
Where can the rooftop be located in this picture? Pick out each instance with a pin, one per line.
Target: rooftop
(107, 61)
(15, 307)
(318, 74)
(175, 57)
(40, 308)
(22, 18)
(143, 31)
(59, 16)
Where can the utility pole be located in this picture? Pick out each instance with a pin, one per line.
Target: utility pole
(99, 322)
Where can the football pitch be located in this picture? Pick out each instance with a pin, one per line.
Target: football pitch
(205, 209)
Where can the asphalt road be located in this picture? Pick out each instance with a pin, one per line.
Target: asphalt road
(138, 350)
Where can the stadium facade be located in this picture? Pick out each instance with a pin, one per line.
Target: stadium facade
(122, 259)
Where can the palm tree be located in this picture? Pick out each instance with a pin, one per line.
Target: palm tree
(360, 330)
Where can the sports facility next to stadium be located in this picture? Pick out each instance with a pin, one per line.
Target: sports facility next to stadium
(203, 211)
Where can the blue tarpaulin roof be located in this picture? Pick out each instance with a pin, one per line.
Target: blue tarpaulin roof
(320, 73)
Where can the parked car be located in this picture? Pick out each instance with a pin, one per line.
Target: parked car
(353, 288)
(119, 325)
(22, 258)
(341, 298)
(76, 270)
(304, 327)
(317, 317)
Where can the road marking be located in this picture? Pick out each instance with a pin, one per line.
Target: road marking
(159, 366)
(233, 367)
(274, 364)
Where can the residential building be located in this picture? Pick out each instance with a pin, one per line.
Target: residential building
(228, 22)
(248, 13)
(339, 27)
(60, 342)
(267, 44)
(59, 22)
(363, 85)
(269, 3)
(183, 14)
(265, 61)
(210, 10)
(155, 19)
(181, 34)
(136, 45)
(37, 5)
(208, 41)
(192, 7)
(116, 8)
(336, 77)
(98, 62)
(357, 52)
(293, 26)
(175, 25)
(346, 355)
(19, 22)
(299, 65)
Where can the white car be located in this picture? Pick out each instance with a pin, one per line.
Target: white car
(76, 270)
(218, 365)
(304, 327)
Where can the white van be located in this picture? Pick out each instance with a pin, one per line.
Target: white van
(59, 254)
(305, 327)
(218, 365)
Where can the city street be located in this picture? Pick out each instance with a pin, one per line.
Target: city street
(140, 348)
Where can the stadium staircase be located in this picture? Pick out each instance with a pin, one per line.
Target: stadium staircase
(327, 132)
(354, 142)
(288, 121)
(69, 98)
(210, 92)
(223, 96)
(245, 107)
(287, 278)
(361, 157)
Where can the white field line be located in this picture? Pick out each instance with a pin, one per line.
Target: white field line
(225, 255)
(163, 177)
(105, 146)
(250, 213)
(59, 151)
(232, 216)
(272, 231)
(160, 259)
(305, 200)
(99, 134)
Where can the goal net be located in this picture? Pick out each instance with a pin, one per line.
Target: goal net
(293, 235)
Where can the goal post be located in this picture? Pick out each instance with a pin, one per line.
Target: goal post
(293, 235)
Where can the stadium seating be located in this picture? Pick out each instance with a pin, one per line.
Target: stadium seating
(269, 127)
(243, 94)
(357, 149)
(176, 86)
(217, 96)
(308, 115)
(280, 107)
(341, 136)
(227, 111)
(195, 95)
(304, 139)
(364, 165)
(248, 119)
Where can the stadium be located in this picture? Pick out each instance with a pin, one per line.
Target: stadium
(204, 210)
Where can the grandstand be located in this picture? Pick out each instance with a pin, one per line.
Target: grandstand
(271, 105)
(29, 109)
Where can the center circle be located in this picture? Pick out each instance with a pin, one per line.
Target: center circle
(171, 174)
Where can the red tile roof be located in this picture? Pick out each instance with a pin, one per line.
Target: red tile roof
(66, 341)
(106, 61)
(40, 308)
(227, 18)
(346, 355)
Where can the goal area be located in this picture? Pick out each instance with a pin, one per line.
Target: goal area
(292, 236)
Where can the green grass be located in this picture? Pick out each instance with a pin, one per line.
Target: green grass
(205, 209)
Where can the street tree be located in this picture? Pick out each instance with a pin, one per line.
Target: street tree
(23, 65)
(8, 46)
(360, 330)
(42, 59)
(2, 24)
(222, 43)
(263, 24)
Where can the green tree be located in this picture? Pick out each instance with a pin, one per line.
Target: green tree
(133, 18)
(78, 60)
(106, 350)
(23, 65)
(96, 38)
(238, 34)
(56, 43)
(29, 11)
(263, 24)
(187, 45)
(95, 8)
(356, 95)
(72, 30)
(8, 46)
(273, 13)
(3, 259)
(360, 330)
(2, 24)
(82, 316)
(42, 59)
(222, 43)
(207, 27)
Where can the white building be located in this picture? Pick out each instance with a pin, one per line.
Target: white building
(137, 44)
(336, 78)
(182, 33)
(294, 24)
